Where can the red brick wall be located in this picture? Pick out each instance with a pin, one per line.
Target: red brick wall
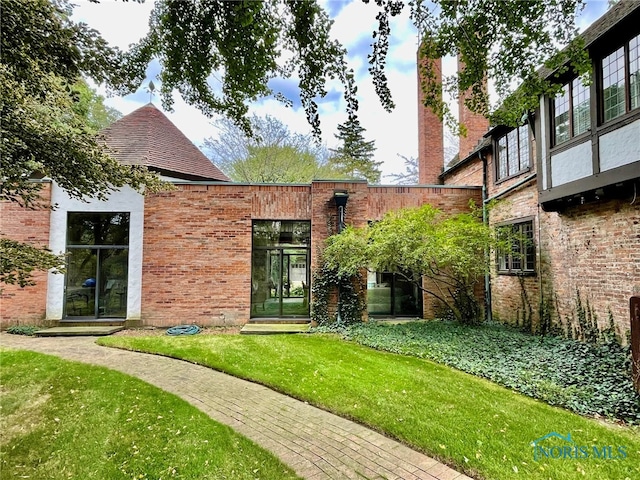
(515, 299)
(430, 137)
(197, 249)
(197, 242)
(476, 125)
(593, 248)
(25, 305)
(469, 174)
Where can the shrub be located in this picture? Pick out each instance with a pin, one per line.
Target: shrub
(29, 330)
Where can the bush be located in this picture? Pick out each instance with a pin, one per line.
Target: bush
(587, 379)
(29, 330)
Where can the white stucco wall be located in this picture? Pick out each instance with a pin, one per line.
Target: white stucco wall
(124, 200)
(620, 147)
(572, 164)
(542, 144)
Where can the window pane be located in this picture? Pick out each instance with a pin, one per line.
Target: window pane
(581, 107)
(520, 254)
(529, 257)
(512, 151)
(525, 148)
(98, 229)
(281, 233)
(561, 116)
(502, 157)
(634, 71)
(613, 84)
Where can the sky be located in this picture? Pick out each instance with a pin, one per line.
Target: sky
(396, 133)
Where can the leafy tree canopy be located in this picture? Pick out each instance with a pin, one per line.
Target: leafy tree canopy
(354, 156)
(47, 126)
(271, 154)
(221, 55)
(90, 106)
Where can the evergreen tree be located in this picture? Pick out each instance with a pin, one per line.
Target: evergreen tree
(354, 157)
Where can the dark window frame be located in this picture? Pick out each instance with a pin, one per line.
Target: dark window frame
(523, 166)
(522, 256)
(571, 113)
(628, 108)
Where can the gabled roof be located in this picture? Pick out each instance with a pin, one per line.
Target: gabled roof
(147, 137)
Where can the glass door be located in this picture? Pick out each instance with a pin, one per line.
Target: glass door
(96, 283)
(97, 265)
(280, 270)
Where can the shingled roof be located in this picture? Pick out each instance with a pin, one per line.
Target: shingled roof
(147, 137)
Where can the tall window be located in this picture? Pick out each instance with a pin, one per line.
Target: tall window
(613, 84)
(97, 265)
(634, 72)
(280, 268)
(571, 111)
(520, 255)
(621, 80)
(514, 152)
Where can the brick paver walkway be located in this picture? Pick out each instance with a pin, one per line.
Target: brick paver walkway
(316, 444)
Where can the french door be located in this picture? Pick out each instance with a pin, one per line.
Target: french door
(97, 265)
(280, 276)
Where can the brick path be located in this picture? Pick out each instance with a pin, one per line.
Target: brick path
(316, 444)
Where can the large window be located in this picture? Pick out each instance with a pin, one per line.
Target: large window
(621, 80)
(280, 268)
(514, 153)
(519, 256)
(571, 111)
(97, 265)
(393, 295)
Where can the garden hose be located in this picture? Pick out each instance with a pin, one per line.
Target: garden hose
(183, 330)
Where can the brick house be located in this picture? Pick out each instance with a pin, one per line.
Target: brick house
(210, 252)
(569, 181)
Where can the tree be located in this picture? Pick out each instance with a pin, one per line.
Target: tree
(221, 55)
(271, 154)
(44, 130)
(89, 105)
(354, 157)
(447, 253)
(410, 176)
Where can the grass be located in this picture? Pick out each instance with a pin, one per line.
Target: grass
(468, 422)
(585, 378)
(63, 420)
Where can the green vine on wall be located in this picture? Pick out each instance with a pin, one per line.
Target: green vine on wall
(349, 294)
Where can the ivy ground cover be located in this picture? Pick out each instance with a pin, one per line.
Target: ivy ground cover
(67, 420)
(585, 378)
(470, 423)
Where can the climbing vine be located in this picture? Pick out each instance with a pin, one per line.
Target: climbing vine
(346, 292)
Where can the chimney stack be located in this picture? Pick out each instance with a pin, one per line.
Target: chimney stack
(475, 123)
(430, 131)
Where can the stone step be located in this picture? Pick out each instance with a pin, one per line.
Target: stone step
(93, 330)
(279, 321)
(273, 328)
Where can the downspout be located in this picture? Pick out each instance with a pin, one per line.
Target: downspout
(340, 197)
(488, 316)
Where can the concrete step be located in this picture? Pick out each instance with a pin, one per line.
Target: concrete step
(94, 330)
(279, 321)
(273, 328)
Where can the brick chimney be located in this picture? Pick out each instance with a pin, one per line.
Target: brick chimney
(475, 123)
(430, 133)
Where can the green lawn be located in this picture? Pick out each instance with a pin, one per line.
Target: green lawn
(67, 420)
(470, 423)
